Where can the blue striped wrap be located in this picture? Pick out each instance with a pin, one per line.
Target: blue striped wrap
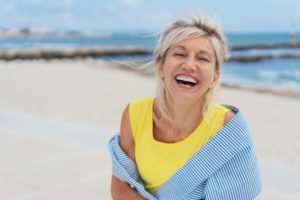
(224, 169)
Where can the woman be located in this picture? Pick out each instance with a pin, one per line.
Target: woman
(182, 144)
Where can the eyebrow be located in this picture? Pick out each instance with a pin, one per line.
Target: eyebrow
(199, 52)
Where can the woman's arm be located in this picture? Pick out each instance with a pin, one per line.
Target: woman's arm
(121, 190)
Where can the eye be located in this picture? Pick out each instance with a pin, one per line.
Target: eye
(179, 54)
(205, 59)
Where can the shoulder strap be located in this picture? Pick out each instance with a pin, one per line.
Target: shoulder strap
(138, 115)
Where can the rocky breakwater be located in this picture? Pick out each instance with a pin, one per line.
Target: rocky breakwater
(264, 52)
(71, 54)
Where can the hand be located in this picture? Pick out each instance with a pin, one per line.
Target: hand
(122, 191)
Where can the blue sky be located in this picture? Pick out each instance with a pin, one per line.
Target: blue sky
(131, 15)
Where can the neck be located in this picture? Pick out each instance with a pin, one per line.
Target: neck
(186, 115)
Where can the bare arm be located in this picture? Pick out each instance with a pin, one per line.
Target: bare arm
(228, 117)
(121, 190)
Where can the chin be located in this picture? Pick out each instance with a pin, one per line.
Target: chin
(186, 97)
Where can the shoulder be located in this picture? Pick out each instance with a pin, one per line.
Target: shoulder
(229, 116)
(131, 116)
(134, 107)
(138, 109)
(137, 103)
(223, 111)
(125, 119)
(126, 136)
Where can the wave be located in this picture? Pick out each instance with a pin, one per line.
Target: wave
(280, 75)
(259, 52)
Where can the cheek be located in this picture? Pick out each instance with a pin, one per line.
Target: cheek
(214, 79)
(213, 76)
(208, 72)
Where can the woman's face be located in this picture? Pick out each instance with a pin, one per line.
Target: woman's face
(189, 69)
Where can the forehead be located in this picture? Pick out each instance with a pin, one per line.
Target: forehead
(201, 44)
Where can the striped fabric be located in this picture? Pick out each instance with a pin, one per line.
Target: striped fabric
(225, 168)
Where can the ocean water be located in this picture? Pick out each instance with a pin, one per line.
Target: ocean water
(147, 40)
(275, 73)
(108, 40)
(279, 74)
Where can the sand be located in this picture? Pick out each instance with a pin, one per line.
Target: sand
(56, 117)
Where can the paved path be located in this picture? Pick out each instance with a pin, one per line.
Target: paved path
(44, 159)
(47, 159)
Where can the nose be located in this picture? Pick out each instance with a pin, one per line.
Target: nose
(189, 64)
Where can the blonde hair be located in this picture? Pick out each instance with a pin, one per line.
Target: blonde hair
(197, 25)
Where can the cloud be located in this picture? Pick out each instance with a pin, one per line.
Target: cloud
(7, 9)
(33, 2)
(110, 8)
(49, 2)
(68, 2)
(130, 2)
(161, 18)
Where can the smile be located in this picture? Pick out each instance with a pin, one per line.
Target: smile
(186, 80)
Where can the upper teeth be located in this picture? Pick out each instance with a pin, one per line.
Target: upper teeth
(186, 78)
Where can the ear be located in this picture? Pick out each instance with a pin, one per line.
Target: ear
(161, 70)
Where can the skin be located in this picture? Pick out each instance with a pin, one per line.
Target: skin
(193, 57)
(119, 189)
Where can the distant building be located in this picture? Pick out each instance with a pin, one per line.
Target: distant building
(293, 37)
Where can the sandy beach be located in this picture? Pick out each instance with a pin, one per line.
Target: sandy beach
(57, 116)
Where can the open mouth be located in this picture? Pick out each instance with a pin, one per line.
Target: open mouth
(186, 80)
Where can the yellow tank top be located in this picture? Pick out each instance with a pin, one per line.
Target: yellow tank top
(157, 161)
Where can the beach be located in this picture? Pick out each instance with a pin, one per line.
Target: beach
(57, 116)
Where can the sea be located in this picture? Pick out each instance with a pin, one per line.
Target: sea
(276, 73)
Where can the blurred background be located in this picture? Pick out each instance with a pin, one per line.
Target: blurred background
(256, 31)
(64, 81)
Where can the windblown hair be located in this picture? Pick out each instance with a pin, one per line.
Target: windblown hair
(195, 26)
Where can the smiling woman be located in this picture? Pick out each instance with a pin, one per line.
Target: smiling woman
(189, 70)
(182, 144)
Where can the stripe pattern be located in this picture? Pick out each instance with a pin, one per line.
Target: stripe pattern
(225, 168)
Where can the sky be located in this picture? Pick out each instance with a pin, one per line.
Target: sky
(151, 15)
